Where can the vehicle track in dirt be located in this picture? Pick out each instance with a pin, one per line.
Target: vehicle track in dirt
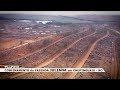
(114, 68)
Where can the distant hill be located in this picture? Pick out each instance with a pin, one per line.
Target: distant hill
(63, 19)
(111, 18)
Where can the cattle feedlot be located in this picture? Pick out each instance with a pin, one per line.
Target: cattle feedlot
(60, 41)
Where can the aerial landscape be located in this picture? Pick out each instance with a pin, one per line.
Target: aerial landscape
(60, 41)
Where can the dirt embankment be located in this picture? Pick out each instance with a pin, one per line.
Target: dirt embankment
(8, 43)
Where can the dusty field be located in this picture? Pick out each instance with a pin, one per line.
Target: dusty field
(52, 46)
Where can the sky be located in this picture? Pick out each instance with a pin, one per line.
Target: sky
(65, 13)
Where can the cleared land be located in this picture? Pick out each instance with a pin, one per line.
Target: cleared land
(60, 46)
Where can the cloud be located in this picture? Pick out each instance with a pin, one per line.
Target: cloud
(66, 13)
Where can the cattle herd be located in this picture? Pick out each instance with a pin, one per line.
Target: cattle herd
(59, 46)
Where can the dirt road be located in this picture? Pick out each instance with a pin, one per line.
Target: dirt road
(115, 31)
(114, 68)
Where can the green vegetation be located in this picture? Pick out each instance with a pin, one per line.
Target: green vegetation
(57, 32)
(92, 28)
(46, 41)
(93, 39)
(66, 34)
(88, 46)
(65, 44)
(2, 77)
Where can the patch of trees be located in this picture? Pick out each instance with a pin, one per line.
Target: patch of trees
(46, 41)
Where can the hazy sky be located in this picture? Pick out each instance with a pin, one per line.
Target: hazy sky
(66, 13)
